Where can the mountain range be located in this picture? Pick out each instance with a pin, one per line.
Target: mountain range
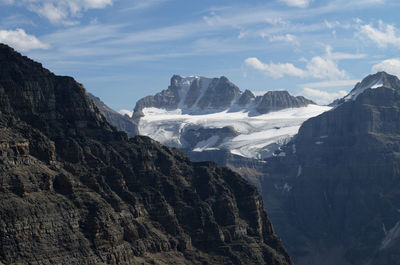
(330, 186)
(197, 114)
(197, 95)
(74, 190)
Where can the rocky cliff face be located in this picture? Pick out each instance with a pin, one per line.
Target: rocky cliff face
(207, 95)
(123, 123)
(76, 191)
(335, 195)
(278, 100)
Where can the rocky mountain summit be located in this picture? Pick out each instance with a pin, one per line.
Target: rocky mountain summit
(195, 95)
(197, 114)
(74, 190)
(335, 195)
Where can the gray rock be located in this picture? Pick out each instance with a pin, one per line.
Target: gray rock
(193, 136)
(246, 98)
(334, 197)
(278, 100)
(74, 190)
(121, 122)
(199, 94)
(220, 94)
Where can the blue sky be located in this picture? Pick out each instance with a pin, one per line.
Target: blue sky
(123, 50)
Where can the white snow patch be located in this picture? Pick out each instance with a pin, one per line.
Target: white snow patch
(126, 112)
(319, 142)
(391, 235)
(206, 144)
(287, 187)
(255, 132)
(359, 89)
(323, 136)
(294, 149)
(184, 86)
(379, 84)
(384, 229)
(282, 154)
(299, 170)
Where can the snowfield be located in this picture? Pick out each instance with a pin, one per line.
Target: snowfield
(259, 136)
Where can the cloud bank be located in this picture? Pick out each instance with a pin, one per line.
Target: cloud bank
(319, 67)
(322, 97)
(60, 11)
(391, 66)
(297, 3)
(21, 41)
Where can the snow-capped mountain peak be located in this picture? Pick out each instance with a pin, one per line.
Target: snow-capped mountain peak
(202, 114)
(380, 79)
(201, 95)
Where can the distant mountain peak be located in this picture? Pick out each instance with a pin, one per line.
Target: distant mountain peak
(217, 115)
(373, 81)
(280, 99)
(197, 94)
(340, 162)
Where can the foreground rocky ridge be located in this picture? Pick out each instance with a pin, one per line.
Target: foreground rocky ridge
(335, 196)
(76, 191)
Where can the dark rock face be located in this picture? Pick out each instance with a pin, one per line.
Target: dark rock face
(167, 99)
(193, 92)
(73, 190)
(220, 94)
(199, 94)
(246, 98)
(334, 197)
(193, 136)
(249, 168)
(278, 100)
(121, 122)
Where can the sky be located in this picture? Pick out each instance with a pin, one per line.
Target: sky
(123, 50)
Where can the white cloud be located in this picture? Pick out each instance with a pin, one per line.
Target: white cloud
(331, 83)
(60, 11)
(126, 112)
(345, 56)
(284, 38)
(52, 13)
(276, 21)
(383, 36)
(322, 97)
(342, 55)
(275, 70)
(336, 24)
(21, 41)
(297, 3)
(319, 67)
(391, 66)
(374, 1)
(140, 4)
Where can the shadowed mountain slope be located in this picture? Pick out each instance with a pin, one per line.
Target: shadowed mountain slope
(335, 196)
(73, 190)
